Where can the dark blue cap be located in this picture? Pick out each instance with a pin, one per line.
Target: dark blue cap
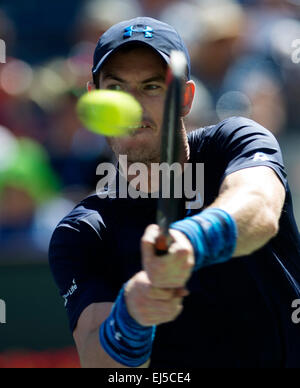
(154, 33)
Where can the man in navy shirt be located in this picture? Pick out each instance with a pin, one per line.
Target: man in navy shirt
(222, 296)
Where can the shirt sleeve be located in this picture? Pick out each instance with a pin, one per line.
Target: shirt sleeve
(80, 264)
(243, 143)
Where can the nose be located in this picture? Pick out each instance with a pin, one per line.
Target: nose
(139, 97)
(136, 94)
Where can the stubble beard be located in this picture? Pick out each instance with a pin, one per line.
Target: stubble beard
(138, 153)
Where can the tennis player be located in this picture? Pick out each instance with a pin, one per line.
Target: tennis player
(222, 296)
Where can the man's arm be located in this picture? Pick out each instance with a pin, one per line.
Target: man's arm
(254, 197)
(147, 305)
(86, 336)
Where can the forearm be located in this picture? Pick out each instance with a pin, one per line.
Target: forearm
(121, 334)
(256, 222)
(87, 338)
(92, 355)
(243, 218)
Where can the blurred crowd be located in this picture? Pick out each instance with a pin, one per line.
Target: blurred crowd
(245, 61)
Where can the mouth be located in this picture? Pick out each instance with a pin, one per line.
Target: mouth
(144, 127)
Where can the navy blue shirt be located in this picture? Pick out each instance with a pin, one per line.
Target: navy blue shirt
(238, 313)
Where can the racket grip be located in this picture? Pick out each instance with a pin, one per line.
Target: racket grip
(162, 245)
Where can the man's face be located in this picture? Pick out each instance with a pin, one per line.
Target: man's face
(140, 72)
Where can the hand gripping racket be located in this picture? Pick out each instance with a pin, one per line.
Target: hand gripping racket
(168, 210)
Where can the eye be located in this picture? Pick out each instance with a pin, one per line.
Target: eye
(152, 87)
(114, 87)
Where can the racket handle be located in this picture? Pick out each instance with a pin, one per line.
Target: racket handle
(163, 243)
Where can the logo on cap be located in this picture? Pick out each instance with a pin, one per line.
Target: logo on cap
(146, 30)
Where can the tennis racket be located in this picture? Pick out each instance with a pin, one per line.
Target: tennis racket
(168, 210)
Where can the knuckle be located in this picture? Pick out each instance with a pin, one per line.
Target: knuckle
(144, 321)
(146, 242)
(148, 229)
(177, 309)
(151, 230)
(160, 294)
(190, 264)
(183, 252)
(153, 277)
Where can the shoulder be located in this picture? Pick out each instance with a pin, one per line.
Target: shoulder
(241, 125)
(229, 132)
(226, 127)
(84, 222)
(88, 211)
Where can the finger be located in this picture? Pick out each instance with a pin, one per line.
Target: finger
(181, 239)
(176, 235)
(166, 308)
(181, 292)
(176, 303)
(168, 280)
(179, 251)
(160, 293)
(148, 241)
(151, 233)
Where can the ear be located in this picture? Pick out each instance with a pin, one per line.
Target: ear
(188, 97)
(90, 86)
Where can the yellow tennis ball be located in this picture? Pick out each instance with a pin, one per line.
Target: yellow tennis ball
(109, 112)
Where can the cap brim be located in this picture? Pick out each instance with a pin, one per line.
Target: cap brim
(109, 53)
